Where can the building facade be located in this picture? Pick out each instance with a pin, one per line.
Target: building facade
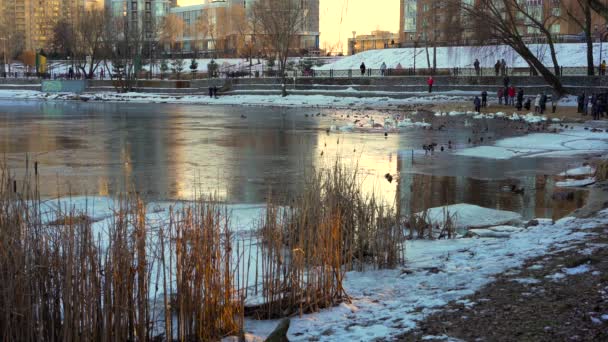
(29, 24)
(221, 27)
(146, 15)
(442, 22)
(375, 40)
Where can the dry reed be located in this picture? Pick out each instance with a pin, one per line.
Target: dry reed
(327, 230)
(64, 279)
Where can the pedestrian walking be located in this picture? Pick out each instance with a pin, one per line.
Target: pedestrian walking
(477, 104)
(70, 73)
(362, 68)
(512, 94)
(383, 69)
(586, 105)
(603, 68)
(500, 94)
(476, 66)
(430, 83)
(497, 68)
(484, 98)
(503, 67)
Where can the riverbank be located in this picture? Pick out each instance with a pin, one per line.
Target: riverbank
(561, 295)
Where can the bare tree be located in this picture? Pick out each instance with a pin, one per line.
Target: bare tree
(533, 17)
(88, 45)
(580, 13)
(279, 22)
(172, 29)
(13, 41)
(600, 7)
(62, 42)
(503, 18)
(123, 41)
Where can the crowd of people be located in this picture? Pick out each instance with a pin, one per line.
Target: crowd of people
(510, 96)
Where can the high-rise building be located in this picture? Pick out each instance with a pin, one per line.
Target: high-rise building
(145, 15)
(28, 24)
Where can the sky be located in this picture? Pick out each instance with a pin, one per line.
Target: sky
(338, 18)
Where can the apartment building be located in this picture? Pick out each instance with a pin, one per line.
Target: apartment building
(220, 27)
(443, 22)
(28, 24)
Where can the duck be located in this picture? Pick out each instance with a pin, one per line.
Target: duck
(243, 116)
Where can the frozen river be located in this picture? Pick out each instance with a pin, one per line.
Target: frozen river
(169, 152)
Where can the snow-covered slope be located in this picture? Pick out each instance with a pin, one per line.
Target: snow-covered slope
(569, 55)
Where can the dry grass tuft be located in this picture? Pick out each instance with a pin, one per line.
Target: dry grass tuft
(329, 229)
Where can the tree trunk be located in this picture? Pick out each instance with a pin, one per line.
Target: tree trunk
(590, 64)
(551, 79)
(589, 40)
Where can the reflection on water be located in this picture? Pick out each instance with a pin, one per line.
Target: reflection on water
(174, 151)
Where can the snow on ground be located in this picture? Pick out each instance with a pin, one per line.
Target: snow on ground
(579, 171)
(315, 101)
(569, 55)
(575, 182)
(571, 142)
(390, 302)
(470, 216)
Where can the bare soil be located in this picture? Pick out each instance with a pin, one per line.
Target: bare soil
(567, 309)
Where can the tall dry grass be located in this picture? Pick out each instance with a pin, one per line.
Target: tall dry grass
(329, 229)
(64, 279)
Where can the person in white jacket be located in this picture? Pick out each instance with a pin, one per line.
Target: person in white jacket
(383, 69)
(537, 104)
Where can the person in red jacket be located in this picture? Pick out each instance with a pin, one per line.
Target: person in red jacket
(512, 94)
(430, 82)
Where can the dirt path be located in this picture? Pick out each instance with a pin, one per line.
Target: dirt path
(546, 300)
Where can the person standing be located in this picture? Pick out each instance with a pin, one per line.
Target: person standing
(383, 69)
(512, 95)
(580, 101)
(543, 103)
(430, 83)
(603, 68)
(477, 103)
(497, 68)
(484, 98)
(537, 104)
(520, 98)
(586, 105)
(503, 67)
(500, 94)
(362, 68)
(476, 66)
